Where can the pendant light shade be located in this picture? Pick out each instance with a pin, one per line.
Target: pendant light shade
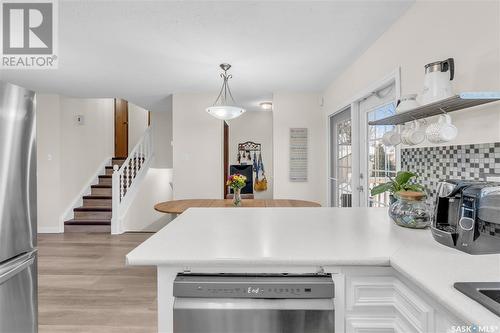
(224, 107)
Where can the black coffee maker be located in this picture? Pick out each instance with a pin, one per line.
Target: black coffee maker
(467, 216)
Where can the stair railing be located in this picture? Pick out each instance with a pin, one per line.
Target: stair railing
(126, 178)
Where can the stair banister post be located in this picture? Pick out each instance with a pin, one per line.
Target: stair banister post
(150, 143)
(115, 199)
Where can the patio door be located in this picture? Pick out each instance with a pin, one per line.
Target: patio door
(379, 163)
(341, 159)
(358, 159)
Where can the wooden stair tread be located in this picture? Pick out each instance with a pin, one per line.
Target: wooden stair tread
(97, 197)
(87, 222)
(100, 186)
(95, 214)
(92, 209)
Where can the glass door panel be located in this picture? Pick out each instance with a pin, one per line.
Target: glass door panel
(382, 160)
(341, 159)
(358, 158)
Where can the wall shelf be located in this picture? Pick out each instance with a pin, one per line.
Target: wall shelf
(458, 102)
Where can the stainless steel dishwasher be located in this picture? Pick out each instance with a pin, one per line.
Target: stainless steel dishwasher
(253, 303)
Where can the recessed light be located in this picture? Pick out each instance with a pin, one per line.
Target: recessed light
(266, 105)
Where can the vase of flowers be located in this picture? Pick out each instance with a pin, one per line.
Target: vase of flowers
(236, 182)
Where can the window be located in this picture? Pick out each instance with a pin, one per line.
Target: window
(382, 162)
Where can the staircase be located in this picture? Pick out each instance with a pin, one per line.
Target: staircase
(104, 209)
(96, 212)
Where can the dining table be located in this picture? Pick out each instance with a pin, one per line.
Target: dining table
(179, 206)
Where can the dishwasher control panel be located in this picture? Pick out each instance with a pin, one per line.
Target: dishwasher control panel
(254, 286)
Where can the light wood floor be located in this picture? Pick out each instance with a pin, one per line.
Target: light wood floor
(84, 285)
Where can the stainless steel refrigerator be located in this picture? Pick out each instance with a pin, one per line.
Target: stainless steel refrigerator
(18, 254)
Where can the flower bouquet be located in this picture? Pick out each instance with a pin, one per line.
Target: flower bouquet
(236, 182)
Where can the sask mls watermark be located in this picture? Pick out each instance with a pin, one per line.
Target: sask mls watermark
(474, 329)
(28, 34)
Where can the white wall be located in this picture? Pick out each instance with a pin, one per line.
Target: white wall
(137, 124)
(162, 127)
(84, 147)
(299, 110)
(48, 127)
(256, 126)
(154, 188)
(197, 151)
(468, 31)
(76, 151)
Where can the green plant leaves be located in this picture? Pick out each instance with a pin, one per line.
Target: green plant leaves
(414, 187)
(382, 188)
(404, 176)
(400, 183)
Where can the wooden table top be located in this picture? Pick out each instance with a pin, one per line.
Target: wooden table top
(179, 206)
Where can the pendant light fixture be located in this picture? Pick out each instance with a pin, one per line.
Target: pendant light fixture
(224, 107)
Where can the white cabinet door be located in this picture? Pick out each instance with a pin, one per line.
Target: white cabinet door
(379, 300)
(391, 299)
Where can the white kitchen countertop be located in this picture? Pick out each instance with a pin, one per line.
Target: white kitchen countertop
(239, 237)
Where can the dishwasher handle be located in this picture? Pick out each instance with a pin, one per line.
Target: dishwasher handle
(189, 303)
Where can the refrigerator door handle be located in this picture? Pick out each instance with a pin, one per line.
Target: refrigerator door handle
(15, 267)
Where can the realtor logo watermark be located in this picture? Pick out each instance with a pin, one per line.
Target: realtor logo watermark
(475, 329)
(29, 34)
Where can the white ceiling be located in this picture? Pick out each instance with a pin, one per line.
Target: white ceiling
(146, 50)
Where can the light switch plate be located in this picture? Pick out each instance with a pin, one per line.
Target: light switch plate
(80, 119)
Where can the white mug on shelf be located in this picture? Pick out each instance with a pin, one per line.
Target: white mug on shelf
(392, 138)
(441, 131)
(407, 102)
(404, 134)
(413, 135)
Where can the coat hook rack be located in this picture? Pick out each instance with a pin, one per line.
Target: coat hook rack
(245, 150)
(249, 146)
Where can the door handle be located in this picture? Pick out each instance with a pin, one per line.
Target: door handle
(125, 122)
(16, 267)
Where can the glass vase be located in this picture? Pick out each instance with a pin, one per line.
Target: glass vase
(410, 210)
(237, 197)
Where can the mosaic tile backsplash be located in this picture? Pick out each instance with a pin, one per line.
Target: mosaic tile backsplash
(432, 164)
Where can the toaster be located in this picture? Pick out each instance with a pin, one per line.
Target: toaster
(467, 216)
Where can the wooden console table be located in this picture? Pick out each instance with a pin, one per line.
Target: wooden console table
(179, 206)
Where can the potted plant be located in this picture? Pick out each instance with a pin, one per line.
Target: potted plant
(236, 182)
(400, 183)
(408, 208)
